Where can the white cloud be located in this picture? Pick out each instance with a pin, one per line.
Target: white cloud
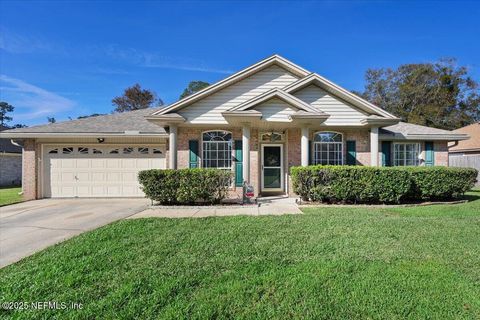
(30, 101)
(154, 60)
(15, 43)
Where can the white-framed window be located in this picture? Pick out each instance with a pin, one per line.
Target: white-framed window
(328, 148)
(406, 154)
(217, 149)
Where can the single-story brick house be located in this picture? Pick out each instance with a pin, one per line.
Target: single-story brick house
(257, 123)
(10, 162)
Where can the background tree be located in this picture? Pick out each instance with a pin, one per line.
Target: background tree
(193, 87)
(439, 94)
(4, 109)
(135, 98)
(51, 119)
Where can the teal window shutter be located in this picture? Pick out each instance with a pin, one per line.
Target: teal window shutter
(351, 153)
(310, 152)
(238, 163)
(429, 153)
(193, 147)
(386, 153)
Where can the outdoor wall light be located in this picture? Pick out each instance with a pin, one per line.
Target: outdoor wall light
(100, 140)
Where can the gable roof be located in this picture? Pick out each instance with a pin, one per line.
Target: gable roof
(272, 94)
(125, 123)
(315, 79)
(472, 144)
(268, 62)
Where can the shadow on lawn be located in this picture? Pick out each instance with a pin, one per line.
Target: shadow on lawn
(473, 195)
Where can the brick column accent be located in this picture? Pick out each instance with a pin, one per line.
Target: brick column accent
(29, 174)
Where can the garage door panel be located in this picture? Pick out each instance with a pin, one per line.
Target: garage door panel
(128, 163)
(67, 163)
(113, 163)
(83, 191)
(98, 176)
(98, 163)
(114, 191)
(66, 177)
(84, 173)
(83, 163)
(83, 176)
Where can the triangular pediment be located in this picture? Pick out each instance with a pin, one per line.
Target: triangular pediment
(274, 60)
(337, 91)
(277, 94)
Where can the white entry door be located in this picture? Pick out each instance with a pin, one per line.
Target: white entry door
(272, 167)
(98, 171)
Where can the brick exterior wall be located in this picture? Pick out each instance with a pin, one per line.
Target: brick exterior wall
(293, 154)
(441, 153)
(10, 169)
(29, 177)
(362, 138)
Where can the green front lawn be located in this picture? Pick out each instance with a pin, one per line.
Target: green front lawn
(9, 195)
(394, 263)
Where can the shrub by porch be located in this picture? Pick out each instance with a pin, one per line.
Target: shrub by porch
(352, 184)
(185, 186)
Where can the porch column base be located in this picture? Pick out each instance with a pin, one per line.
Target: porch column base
(304, 147)
(374, 146)
(172, 147)
(246, 153)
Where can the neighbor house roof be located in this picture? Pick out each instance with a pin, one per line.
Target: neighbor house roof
(126, 123)
(408, 131)
(472, 144)
(6, 145)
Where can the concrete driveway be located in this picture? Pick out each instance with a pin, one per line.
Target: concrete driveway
(28, 227)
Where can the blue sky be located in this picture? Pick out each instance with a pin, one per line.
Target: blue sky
(66, 59)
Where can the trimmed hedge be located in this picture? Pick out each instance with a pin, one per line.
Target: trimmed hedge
(185, 186)
(356, 184)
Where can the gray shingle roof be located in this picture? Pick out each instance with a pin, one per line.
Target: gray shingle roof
(409, 128)
(111, 123)
(7, 146)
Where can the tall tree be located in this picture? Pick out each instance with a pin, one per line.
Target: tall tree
(193, 87)
(5, 108)
(440, 94)
(135, 98)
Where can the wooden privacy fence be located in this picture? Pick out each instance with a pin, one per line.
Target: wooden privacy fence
(466, 161)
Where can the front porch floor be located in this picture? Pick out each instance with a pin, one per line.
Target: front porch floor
(265, 206)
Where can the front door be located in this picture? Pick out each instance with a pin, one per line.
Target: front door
(272, 167)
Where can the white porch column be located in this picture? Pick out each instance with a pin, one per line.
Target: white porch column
(172, 147)
(304, 147)
(246, 153)
(374, 146)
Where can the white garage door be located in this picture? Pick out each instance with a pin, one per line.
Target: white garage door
(98, 171)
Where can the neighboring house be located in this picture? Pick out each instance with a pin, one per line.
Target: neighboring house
(258, 123)
(466, 153)
(10, 162)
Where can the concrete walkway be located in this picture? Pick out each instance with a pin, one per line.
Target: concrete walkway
(266, 206)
